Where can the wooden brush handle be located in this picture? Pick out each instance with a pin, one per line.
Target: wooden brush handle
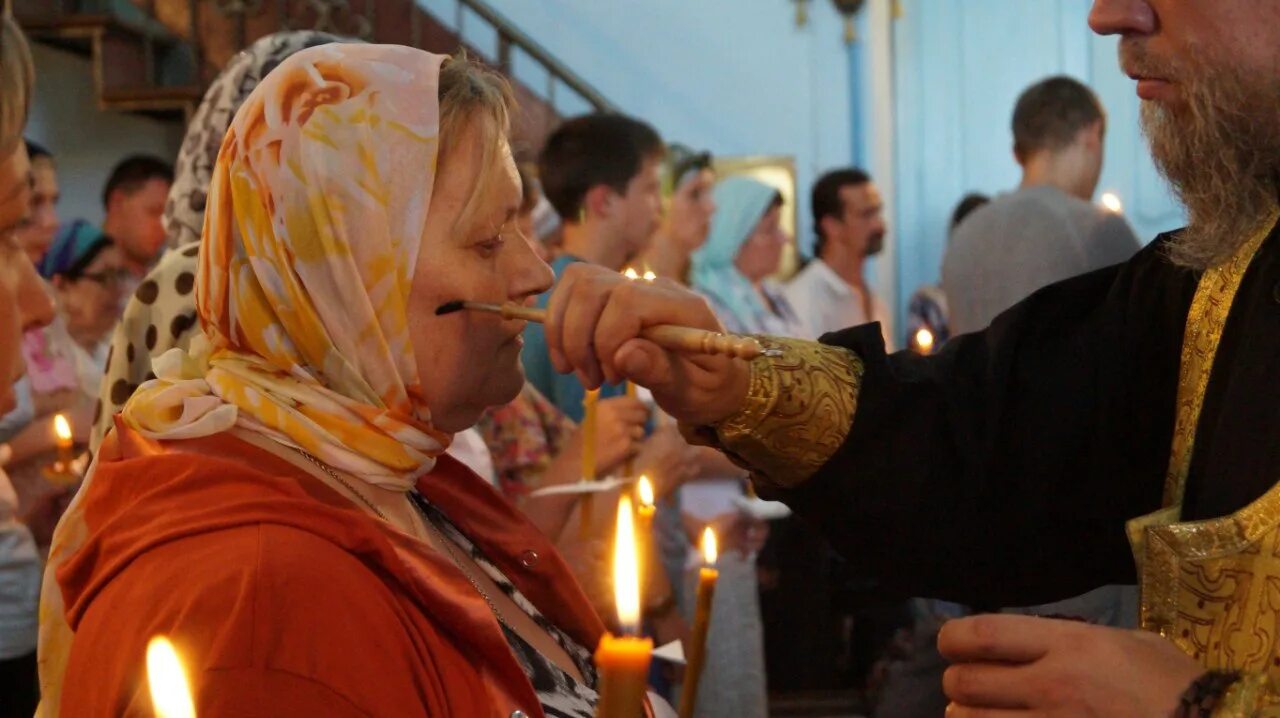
(700, 341)
(667, 336)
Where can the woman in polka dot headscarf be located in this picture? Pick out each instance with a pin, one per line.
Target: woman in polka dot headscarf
(162, 313)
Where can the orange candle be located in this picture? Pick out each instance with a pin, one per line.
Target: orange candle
(170, 691)
(623, 661)
(697, 653)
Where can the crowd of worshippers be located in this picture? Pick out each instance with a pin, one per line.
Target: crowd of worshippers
(112, 298)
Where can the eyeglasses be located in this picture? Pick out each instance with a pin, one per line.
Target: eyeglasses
(107, 278)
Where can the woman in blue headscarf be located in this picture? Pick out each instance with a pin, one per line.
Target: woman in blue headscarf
(743, 249)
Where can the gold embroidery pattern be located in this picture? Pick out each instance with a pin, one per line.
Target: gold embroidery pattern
(798, 411)
(1205, 323)
(1213, 587)
(1254, 696)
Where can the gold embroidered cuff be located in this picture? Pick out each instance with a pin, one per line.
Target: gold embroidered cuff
(797, 412)
(1254, 695)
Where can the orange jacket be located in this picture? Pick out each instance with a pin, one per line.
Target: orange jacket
(286, 600)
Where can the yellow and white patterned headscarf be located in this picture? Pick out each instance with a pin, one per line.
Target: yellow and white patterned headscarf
(315, 216)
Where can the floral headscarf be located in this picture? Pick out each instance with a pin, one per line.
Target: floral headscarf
(315, 217)
(162, 313)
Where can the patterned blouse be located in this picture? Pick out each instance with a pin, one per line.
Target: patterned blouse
(560, 695)
(523, 436)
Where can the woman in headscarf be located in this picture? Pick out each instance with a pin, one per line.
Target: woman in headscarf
(278, 502)
(161, 313)
(743, 249)
(687, 183)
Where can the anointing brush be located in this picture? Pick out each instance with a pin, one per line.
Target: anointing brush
(667, 336)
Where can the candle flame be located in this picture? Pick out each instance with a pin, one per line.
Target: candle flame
(1111, 201)
(644, 491)
(62, 427)
(709, 552)
(631, 273)
(170, 693)
(924, 340)
(626, 570)
(649, 275)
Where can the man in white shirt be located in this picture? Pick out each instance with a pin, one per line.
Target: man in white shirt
(831, 292)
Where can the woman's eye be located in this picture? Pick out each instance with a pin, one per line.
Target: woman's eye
(490, 246)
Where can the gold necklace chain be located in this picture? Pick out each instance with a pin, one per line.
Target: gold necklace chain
(444, 540)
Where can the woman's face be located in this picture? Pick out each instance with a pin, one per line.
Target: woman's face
(761, 254)
(690, 210)
(20, 286)
(469, 361)
(36, 234)
(91, 302)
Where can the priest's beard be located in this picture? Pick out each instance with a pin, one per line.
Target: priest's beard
(1220, 149)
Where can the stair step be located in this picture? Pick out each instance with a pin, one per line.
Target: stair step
(176, 102)
(86, 25)
(151, 95)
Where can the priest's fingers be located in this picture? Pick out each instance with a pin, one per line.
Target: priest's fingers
(590, 294)
(556, 306)
(1007, 638)
(636, 306)
(990, 685)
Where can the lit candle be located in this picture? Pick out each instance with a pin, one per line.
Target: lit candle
(60, 472)
(645, 509)
(649, 275)
(170, 692)
(697, 652)
(623, 661)
(62, 430)
(631, 273)
(1111, 201)
(924, 341)
(644, 492)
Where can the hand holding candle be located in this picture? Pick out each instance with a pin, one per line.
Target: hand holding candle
(623, 661)
(170, 692)
(697, 651)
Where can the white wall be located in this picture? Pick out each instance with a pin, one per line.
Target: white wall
(736, 77)
(87, 142)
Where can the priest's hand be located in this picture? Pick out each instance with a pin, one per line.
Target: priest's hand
(594, 320)
(1005, 666)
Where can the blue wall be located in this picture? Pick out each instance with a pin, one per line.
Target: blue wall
(959, 68)
(736, 77)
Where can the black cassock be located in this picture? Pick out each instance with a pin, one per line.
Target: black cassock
(1002, 470)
